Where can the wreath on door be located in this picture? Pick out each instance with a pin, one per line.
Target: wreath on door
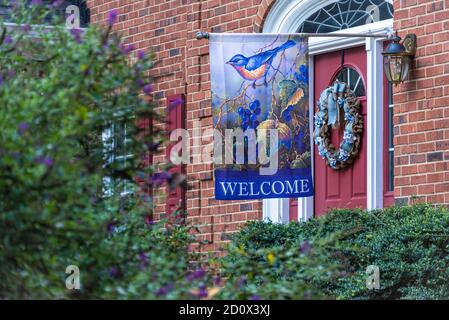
(334, 101)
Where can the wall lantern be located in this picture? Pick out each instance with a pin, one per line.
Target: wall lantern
(397, 58)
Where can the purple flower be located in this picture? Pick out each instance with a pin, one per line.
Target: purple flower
(57, 3)
(1, 79)
(11, 73)
(242, 281)
(200, 273)
(112, 17)
(165, 289)
(126, 49)
(76, 33)
(162, 291)
(48, 162)
(255, 297)
(7, 40)
(114, 272)
(26, 28)
(111, 227)
(141, 54)
(175, 103)
(196, 275)
(143, 260)
(44, 160)
(36, 2)
(153, 146)
(23, 127)
(159, 178)
(202, 292)
(305, 247)
(149, 220)
(143, 257)
(217, 280)
(148, 89)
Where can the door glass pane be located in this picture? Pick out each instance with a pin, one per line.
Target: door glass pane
(390, 128)
(390, 170)
(353, 79)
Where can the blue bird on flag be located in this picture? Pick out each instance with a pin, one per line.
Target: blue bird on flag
(256, 67)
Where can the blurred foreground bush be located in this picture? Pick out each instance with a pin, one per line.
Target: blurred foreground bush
(66, 195)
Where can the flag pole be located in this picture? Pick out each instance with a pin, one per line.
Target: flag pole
(205, 35)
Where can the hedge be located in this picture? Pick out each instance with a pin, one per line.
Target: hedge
(409, 245)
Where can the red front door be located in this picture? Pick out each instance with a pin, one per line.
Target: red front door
(345, 188)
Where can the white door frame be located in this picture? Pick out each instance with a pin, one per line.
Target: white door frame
(285, 17)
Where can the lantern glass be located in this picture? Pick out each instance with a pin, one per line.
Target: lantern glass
(397, 57)
(396, 67)
(405, 67)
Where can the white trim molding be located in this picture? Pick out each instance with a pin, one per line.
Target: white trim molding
(276, 210)
(285, 17)
(374, 127)
(305, 205)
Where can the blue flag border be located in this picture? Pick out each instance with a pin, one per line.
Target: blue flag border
(251, 185)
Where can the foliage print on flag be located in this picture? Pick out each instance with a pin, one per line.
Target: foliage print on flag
(259, 84)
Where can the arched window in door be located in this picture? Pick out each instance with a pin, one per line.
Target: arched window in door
(353, 79)
(345, 14)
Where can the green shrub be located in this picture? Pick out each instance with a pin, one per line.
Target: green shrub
(408, 244)
(273, 261)
(276, 273)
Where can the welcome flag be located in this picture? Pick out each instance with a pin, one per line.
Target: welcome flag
(260, 99)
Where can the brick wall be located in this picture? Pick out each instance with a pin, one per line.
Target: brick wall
(422, 105)
(168, 29)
